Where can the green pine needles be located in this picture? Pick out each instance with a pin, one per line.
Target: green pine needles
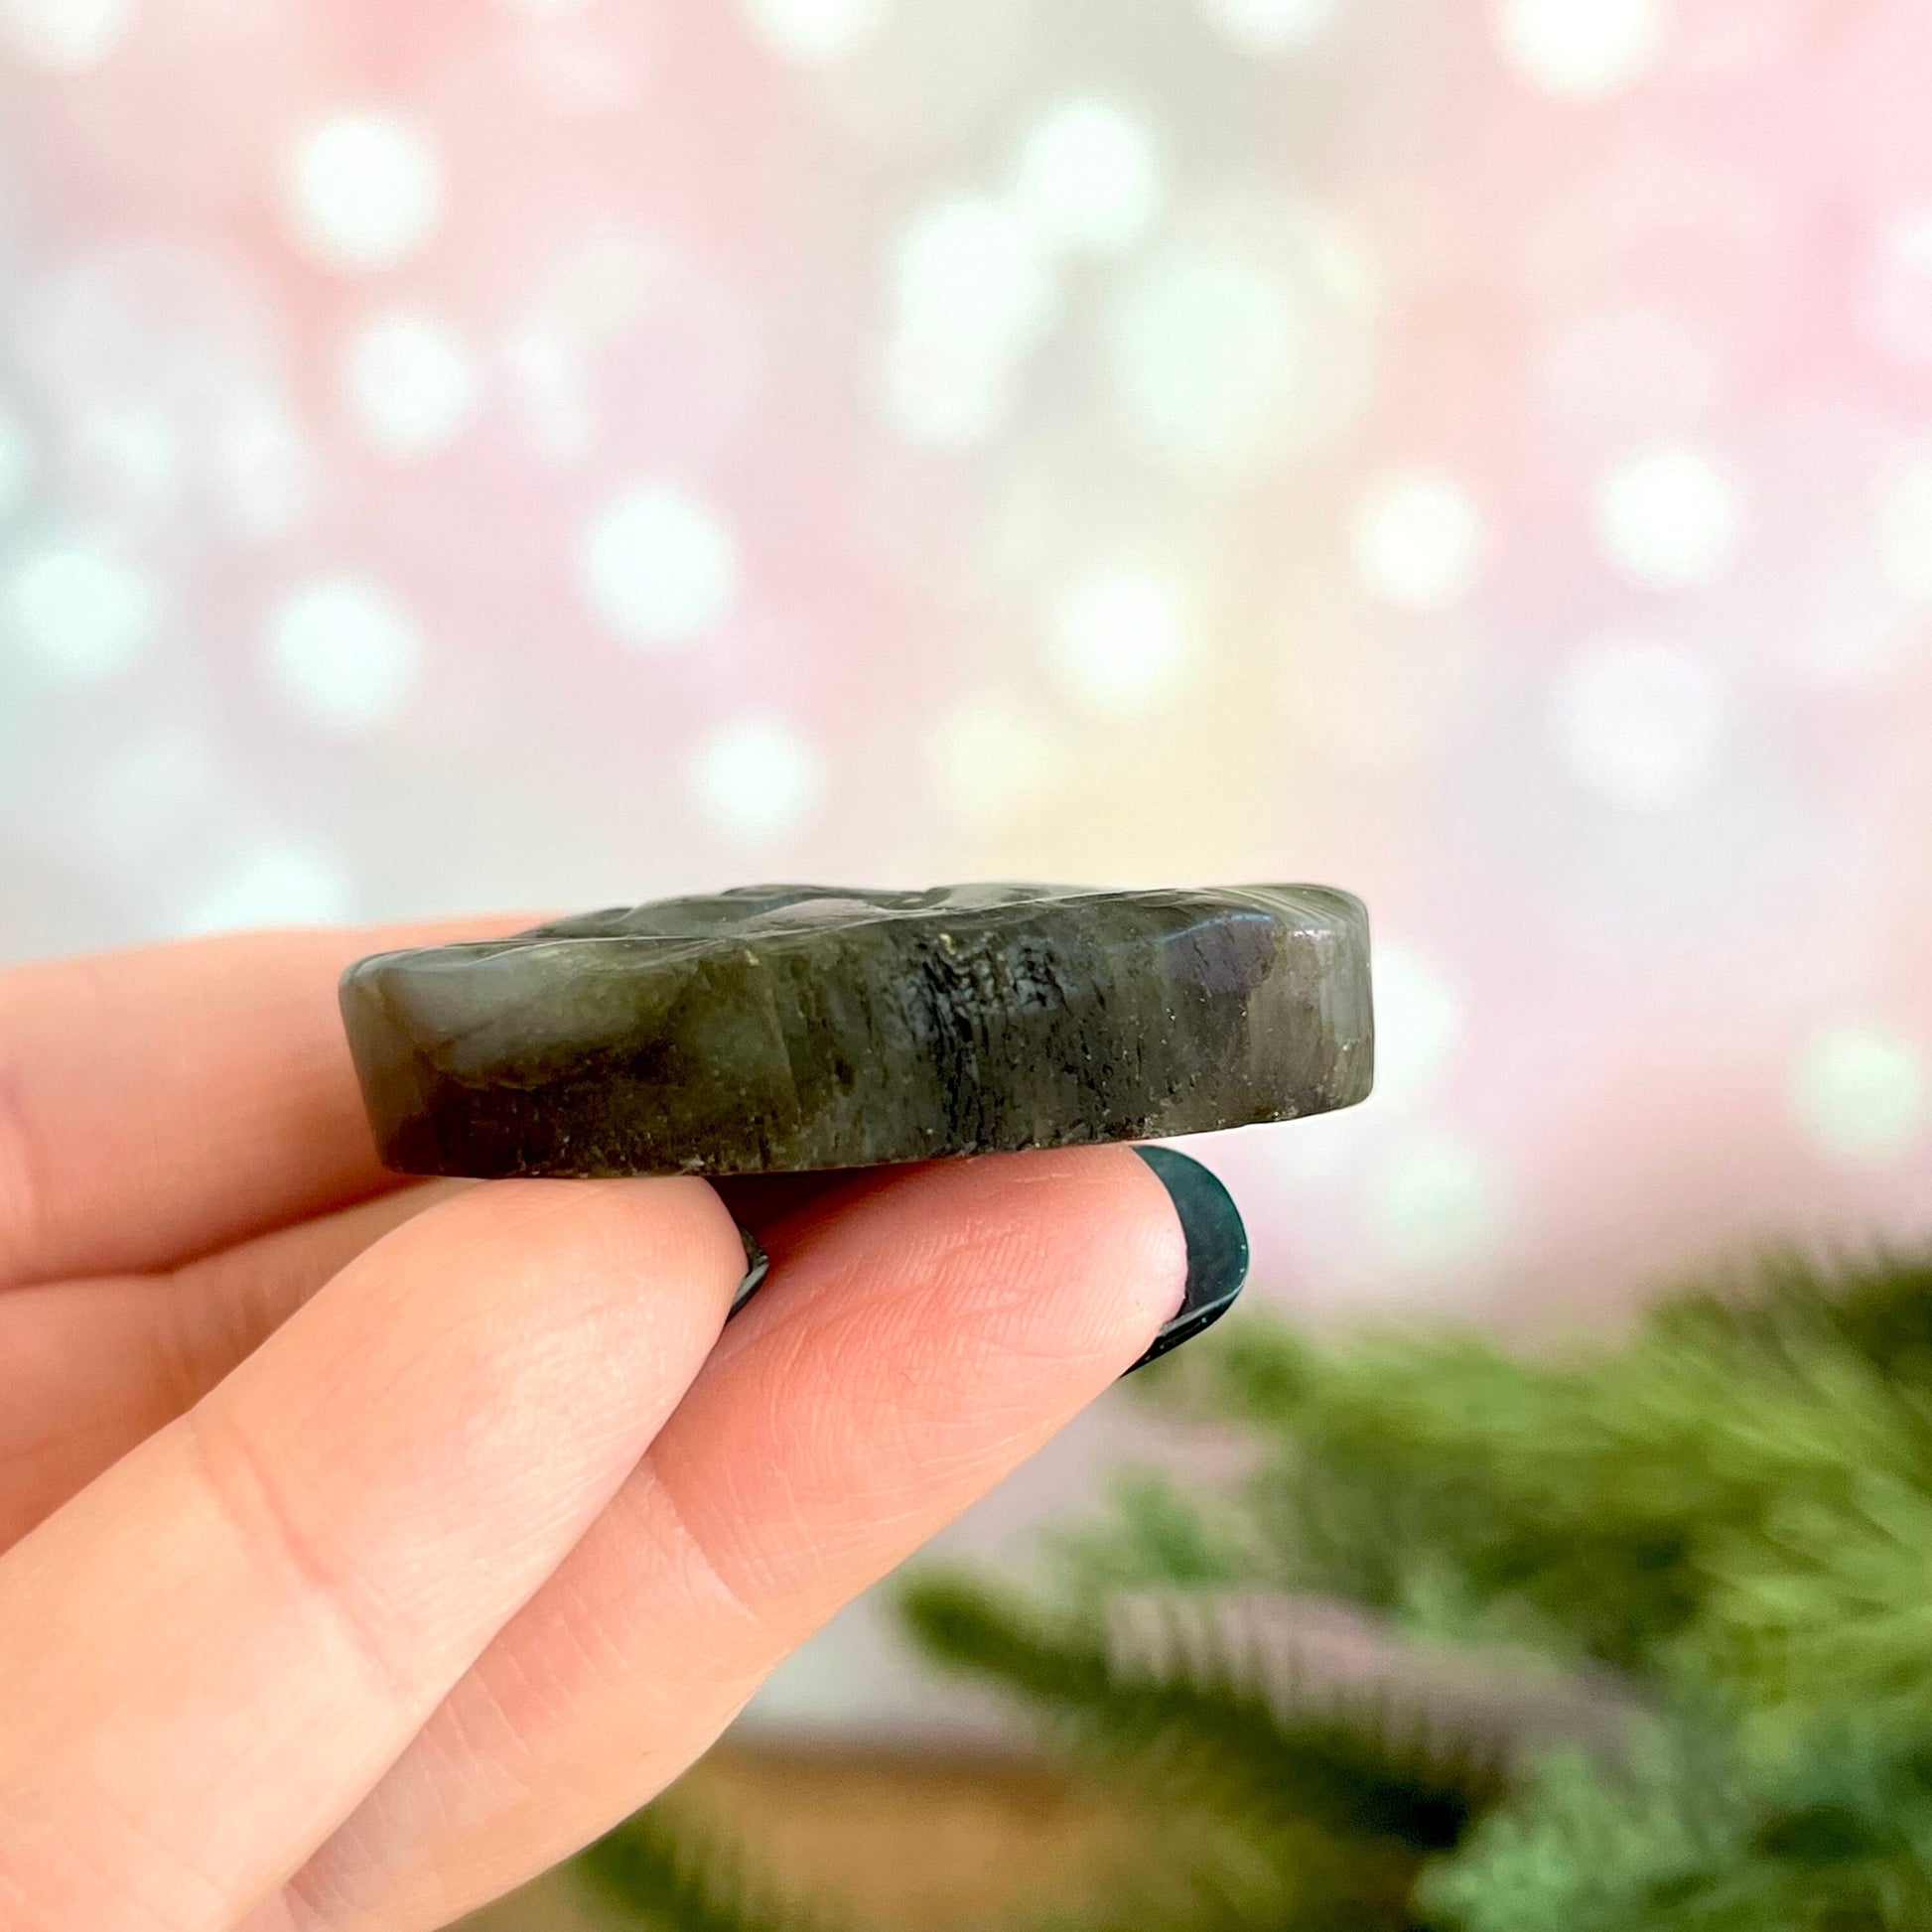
(657, 1870)
(1713, 1534)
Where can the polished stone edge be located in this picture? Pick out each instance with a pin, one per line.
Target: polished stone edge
(1330, 912)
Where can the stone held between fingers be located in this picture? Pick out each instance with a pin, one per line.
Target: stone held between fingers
(791, 1027)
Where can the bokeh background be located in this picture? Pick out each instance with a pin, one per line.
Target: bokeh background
(543, 453)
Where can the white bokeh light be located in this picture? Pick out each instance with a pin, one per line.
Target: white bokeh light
(972, 294)
(1669, 515)
(344, 653)
(969, 269)
(1088, 175)
(1637, 721)
(1203, 348)
(658, 566)
(814, 32)
(1418, 1020)
(1436, 1205)
(989, 759)
(16, 464)
(78, 611)
(756, 779)
(273, 885)
(65, 36)
(1858, 1091)
(365, 191)
(161, 393)
(410, 382)
(1271, 26)
(1419, 540)
(1121, 639)
(1904, 531)
(1581, 47)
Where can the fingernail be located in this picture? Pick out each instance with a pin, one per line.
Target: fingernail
(1217, 1247)
(757, 1265)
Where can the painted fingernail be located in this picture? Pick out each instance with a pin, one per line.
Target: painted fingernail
(757, 1265)
(1217, 1247)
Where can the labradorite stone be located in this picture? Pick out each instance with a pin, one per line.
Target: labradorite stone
(794, 1027)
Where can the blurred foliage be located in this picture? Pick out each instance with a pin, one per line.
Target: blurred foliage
(660, 1870)
(1724, 1516)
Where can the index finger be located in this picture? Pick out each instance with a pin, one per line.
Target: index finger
(161, 1103)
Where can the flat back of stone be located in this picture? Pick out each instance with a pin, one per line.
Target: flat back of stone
(786, 1028)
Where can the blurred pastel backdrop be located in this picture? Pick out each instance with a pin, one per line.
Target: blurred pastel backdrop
(542, 453)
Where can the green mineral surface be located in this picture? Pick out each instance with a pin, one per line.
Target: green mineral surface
(784, 1028)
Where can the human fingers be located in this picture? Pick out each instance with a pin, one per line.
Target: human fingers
(164, 1102)
(216, 1648)
(918, 1338)
(93, 1367)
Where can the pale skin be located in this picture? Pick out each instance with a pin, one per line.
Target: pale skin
(370, 1545)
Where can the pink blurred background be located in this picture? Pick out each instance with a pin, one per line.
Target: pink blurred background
(556, 452)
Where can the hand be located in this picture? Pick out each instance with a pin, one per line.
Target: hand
(369, 1546)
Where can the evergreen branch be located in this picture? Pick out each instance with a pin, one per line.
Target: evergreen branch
(1153, 1533)
(1878, 1303)
(1592, 1502)
(653, 1870)
(1293, 1880)
(1696, 1833)
(1343, 1769)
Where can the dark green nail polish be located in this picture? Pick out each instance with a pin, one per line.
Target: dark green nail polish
(757, 1265)
(1217, 1247)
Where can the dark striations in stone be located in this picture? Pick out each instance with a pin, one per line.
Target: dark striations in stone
(795, 1027)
